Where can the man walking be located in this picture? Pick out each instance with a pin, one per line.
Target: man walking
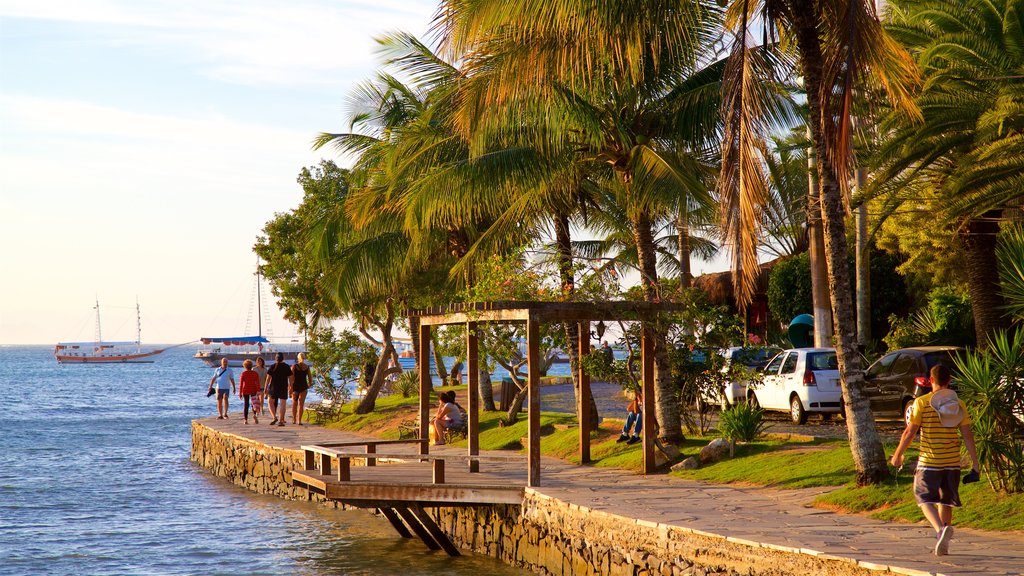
(937, 479)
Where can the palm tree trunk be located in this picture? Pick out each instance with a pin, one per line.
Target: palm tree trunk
(978, 236)
(683, 231)
(563, 243)
(666, 401)
(865, 443)
(442, 372)
(822, 308)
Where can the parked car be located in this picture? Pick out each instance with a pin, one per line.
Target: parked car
(800, 381)
(895, 379)
(753, 358)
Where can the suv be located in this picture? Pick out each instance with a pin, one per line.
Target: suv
(894, 380)
(750, 357)
(800, 381)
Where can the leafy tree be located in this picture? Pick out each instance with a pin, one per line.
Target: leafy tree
(968, 147)
(338, 360)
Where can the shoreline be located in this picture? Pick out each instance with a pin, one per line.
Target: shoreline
(590, 521)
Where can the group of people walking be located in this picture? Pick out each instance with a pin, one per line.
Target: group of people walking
(277, 384)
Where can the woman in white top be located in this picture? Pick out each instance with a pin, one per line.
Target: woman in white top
(448, 416)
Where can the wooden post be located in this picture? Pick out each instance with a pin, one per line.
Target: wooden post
(424, 365)
(647, 378)
(325, 464)
(371, 448)
(344, 469)
(310, 460)
(533, 387)
(438, 471)
(473, 398)
(584, 400)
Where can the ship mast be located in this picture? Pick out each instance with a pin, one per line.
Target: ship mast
(99, 335)
(138, 324)
(259, 298)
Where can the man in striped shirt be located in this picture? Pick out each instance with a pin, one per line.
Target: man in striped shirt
(938, 415)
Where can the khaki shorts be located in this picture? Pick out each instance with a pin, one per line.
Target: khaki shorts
(937, 486)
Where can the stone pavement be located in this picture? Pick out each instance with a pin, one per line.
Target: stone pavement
(759, 515)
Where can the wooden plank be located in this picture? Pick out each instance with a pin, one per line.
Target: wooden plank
(396, 522)
(417, 527)
(533, 412)
(647, 379)
(388, 490)
(435, 531)
(473, 400)
(583, 415)
(439, 319)
(425, 386)
(413, 456)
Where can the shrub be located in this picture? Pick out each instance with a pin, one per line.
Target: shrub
(946, 319)
(991, 383)
(407, 384)
(742, 423)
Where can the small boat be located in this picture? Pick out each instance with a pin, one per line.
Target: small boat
(238, 349)
(100, 352)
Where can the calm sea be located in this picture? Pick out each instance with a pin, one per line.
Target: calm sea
(95, 478)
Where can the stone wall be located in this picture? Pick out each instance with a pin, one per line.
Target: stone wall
(555, 538)
(253, 465)
(544, 534)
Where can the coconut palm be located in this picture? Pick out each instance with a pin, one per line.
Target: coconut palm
(969, 146)
(839, 45)
(623, 79)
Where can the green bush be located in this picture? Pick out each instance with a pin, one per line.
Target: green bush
(991, 383)
(947, 319)
(407, 384)
(742, 423)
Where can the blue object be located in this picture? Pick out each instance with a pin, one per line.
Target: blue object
(801, 331)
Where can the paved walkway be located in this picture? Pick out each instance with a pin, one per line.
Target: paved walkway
(779, 517)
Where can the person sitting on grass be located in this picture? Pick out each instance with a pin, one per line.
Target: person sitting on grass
(448, 416)
(634, 415)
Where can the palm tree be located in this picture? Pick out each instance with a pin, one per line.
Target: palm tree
(969, 147)
(839, 45)
(626, 81)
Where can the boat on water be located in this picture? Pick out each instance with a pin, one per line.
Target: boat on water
(238, 349)
(100, 352)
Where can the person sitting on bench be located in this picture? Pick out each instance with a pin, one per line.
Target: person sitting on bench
(448, 416)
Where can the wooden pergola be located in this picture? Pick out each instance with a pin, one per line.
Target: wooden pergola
(533, 314)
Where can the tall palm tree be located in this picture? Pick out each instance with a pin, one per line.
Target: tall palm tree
(839, 46)
(970, 145)
(615, 71)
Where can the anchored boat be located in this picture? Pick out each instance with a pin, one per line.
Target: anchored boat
(100, 352)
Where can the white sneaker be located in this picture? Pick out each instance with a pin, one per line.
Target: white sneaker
(942, 544)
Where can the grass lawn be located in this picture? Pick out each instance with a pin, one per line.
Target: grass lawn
(770, 461)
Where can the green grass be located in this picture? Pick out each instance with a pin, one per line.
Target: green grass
(769, 461)
(781, 464)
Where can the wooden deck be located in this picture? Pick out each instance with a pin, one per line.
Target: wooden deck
(405, 483)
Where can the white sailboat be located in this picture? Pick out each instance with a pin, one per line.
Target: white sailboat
(100, 352)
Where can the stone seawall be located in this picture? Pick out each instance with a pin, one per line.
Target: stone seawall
(544, 534)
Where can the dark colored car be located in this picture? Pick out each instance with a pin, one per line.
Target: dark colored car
(894, 380)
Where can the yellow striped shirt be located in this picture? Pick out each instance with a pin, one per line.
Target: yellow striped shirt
(940, 446)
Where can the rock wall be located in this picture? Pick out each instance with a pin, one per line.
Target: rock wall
(253, 465)
(555, 538)
(544, 534)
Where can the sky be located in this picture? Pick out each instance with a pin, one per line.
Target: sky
(145, 143)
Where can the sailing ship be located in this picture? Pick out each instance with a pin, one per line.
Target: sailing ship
(238, 349)
(100, 352)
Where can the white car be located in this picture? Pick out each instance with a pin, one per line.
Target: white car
(800, 381)
(742, 361)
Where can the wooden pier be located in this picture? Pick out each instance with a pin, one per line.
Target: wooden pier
(405, 484)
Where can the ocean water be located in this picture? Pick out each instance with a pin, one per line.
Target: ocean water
(95, 478)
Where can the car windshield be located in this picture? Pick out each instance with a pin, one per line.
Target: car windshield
(753, 357)
(822, 361)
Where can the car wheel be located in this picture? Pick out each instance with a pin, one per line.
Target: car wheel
(702, 406)
(796, 411)
(908, 403)
(752, 400)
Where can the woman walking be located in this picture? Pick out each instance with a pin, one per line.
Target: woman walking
(278, 381)
(261, 371)
(300, 385)
(248, 389)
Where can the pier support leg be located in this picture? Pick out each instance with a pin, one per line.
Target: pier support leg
(396, 522)
(435, 531)
(417, 527)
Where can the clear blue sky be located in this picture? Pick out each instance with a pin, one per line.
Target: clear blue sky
(144, 143)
